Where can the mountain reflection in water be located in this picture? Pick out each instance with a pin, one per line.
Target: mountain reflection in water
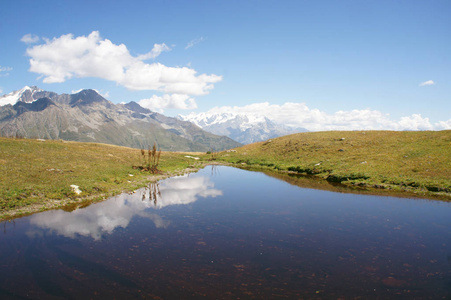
(103, 218)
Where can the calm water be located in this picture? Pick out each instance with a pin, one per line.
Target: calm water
(225, 233)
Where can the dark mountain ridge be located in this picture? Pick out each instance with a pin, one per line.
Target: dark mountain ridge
(86, 116)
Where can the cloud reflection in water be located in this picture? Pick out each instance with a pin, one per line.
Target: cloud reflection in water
(103, 218)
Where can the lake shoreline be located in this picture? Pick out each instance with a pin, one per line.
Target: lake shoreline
(41, 175)
(412, 162)
(72, 203)
(351, 187)
(234, 232)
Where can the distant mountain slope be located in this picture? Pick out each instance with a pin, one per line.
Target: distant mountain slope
(244, 128)
(87, 116)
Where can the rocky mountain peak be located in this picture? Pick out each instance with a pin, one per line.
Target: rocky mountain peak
(26, 94)
(86, 97)
(133, 106)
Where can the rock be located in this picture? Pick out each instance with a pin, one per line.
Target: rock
(75, 189)
(188, 156)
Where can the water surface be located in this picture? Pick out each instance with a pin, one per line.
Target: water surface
(225, 233)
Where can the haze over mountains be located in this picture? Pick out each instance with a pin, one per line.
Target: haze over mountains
(88, 117)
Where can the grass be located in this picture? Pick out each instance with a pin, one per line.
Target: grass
(418, 162)
(37, 175)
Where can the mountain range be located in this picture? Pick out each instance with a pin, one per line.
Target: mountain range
(86, 116)
(243, 128)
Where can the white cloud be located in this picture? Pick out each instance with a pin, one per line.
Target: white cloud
(103, 218)
(65, 57)
(105, 95)
(96, 220)
(415, 122)
(30, 38)
(176, 101)
(1, 90)
(155, 52)
(5, 69)
(429, 82)
(185, 190)
(194, 42)
(443, 125)
(299, 115)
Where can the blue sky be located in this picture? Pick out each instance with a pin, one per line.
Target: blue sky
(335, 62)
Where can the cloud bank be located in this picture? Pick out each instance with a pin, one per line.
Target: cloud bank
(66, 57)
(299, 115)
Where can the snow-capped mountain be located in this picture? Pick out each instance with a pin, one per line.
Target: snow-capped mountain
(88, 117)
(27, 95)
(243, 128)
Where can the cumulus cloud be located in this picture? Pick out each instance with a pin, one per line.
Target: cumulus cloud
(67, 56)
(30, 38)
(443, 125)
(103, 218)
(415, 122)
(194, 42)
(182, 190)
(429, 82)
(176, 101)
(299, 115)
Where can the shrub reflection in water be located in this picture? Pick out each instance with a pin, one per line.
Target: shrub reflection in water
(229, 233)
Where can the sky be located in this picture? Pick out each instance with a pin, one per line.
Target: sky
(320, 65)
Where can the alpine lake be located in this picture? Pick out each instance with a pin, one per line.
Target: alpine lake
(228, 233)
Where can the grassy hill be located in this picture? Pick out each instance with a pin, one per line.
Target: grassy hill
(411, 161)
(37, 175)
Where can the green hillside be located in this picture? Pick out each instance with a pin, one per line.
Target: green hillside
(411, 161)
(37, 175)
